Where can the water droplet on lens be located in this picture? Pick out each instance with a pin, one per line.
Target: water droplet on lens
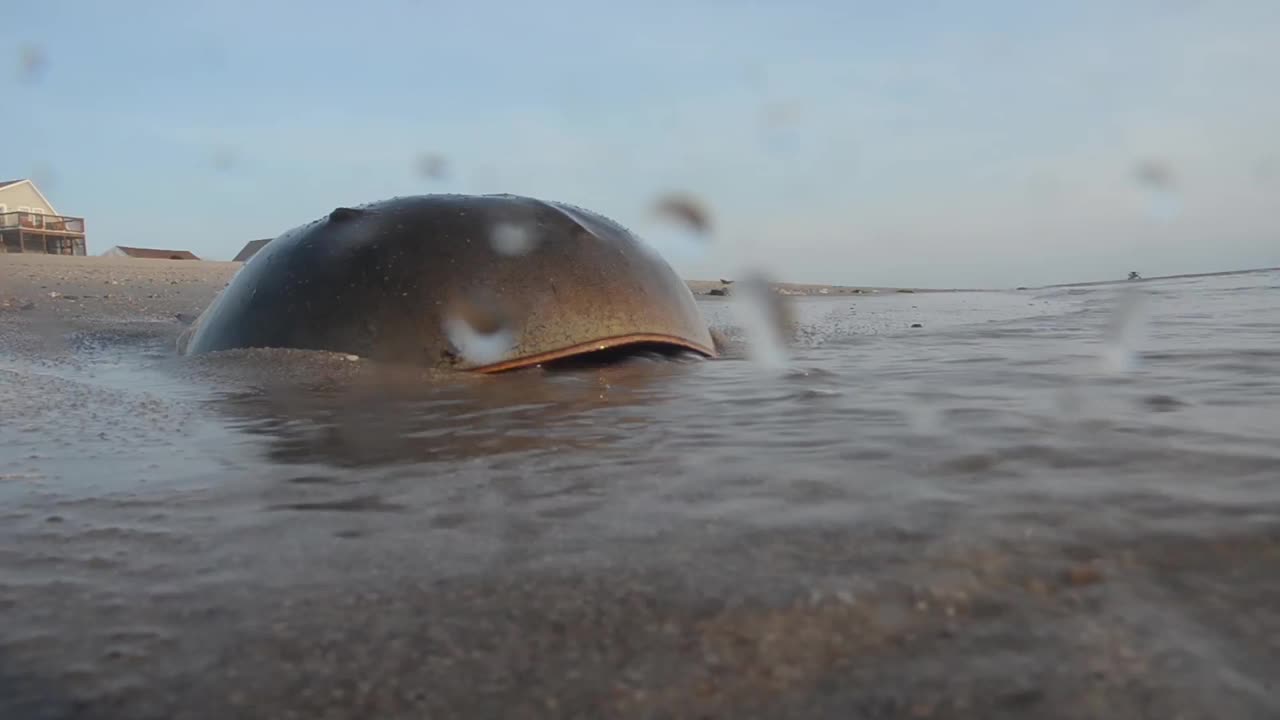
(31, 63)
(1160, 187)
(512, 239)
(224, 158)
(766, 320)
(679, 228)
(480, 330)
(685, 210)
(432, 166)
(1119, 345)
(1154, 173)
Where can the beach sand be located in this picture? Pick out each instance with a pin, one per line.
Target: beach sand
(110, 287)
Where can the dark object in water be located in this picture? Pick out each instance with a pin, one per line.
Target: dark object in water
(484, 283)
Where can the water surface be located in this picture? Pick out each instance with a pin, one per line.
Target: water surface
(1046, 503)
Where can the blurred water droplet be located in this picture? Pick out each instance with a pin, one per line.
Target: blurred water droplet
(685, 210)
(513, 239)
(433, 166)
(1158, 181)
(1154, 173)
(480, 330)
(31, 63)
(922, 413)
(224, 158)
(678, 228)
(765, 319)
(1123, 333)
(781, 114)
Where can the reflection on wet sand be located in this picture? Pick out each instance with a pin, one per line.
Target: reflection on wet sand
(389, 417)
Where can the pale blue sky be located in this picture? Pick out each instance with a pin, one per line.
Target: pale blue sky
(915, 143)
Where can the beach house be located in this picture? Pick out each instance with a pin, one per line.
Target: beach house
(29, 223)
(250, 249)
(149, 253)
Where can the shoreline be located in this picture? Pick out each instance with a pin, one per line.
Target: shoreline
(700, 288)
(221, 271)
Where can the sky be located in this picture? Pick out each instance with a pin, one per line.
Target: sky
(930, 144)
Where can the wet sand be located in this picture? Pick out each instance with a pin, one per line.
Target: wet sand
(895, 528)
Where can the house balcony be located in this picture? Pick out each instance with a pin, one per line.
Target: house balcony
(28, 232)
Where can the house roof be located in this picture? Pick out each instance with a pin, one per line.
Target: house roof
(6, 183)
(156, 253)
(250, 249)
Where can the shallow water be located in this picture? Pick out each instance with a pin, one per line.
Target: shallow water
(1049, 503)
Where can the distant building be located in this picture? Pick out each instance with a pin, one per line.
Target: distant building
(149, 253)
(250, 249)
(30, 224)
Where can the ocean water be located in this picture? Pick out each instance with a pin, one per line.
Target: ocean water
(1057, 503)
